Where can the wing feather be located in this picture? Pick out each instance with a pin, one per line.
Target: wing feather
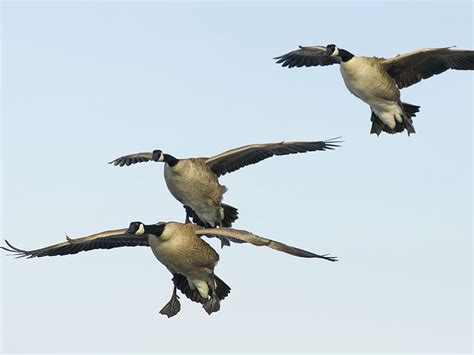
(247, 237)
(410, 68)
(306, 56)
(104, 240)
(132, 159)
(237, 158)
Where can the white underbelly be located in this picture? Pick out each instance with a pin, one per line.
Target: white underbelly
(389, 112)
(363, 83)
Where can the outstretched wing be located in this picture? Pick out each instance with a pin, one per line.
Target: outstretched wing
(237, 158)
(410, 68)
(104, 240)
(247, 237)
(132, 159)
(306, 56)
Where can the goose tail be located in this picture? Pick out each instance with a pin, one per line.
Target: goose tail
(181, 282)
(409, 111)
(222, 289)
(230, 215)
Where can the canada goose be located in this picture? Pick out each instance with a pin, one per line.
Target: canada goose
(377, 81)
(178, 247)
(194, 182)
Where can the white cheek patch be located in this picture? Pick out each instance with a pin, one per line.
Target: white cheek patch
(162, 157)
(335, 53)
(140, 230)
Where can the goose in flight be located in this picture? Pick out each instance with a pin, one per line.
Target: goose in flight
(377, 81)
(195, 182)
(177, 246)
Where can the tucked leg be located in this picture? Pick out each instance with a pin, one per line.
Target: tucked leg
(173, 306)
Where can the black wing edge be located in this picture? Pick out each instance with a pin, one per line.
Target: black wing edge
(127, 160)
(18, 253)
(282, 57)
(332, 143)
(327, 257)
(305, 56)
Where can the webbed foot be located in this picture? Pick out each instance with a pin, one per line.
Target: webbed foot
(172, 307)
(224, 242)
(212, 305)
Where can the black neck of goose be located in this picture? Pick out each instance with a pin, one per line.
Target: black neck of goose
(345, 55)
(170, 160)
(155, 229)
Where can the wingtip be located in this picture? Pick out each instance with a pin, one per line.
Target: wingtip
(6, 249)
(19, 253)
(328, 258)
(333, 142)
(12, 247)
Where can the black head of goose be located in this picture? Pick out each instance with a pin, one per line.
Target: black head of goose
(177, 246)
(195, 182)
(377, 81)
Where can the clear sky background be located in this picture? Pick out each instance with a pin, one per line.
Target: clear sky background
(86, 82)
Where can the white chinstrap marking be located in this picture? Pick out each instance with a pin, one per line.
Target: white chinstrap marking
(140, 230)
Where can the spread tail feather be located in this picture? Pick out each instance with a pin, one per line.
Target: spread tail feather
(230, 215)
(409, 111)
(222, 289)
(195, 218)
(181, 283)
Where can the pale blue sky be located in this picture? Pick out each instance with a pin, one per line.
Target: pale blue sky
(86, 82)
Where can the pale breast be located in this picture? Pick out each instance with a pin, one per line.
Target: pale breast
(191, 182)
(366, 79)
(182, 251)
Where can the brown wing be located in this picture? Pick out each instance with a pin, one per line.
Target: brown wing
(410, 68)
(306, 57)
(247, 237)
(237, 158)
(132, 159)
(104, 240)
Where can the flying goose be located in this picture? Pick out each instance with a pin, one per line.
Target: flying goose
(177, 246)
(194, 182)
(377, 81)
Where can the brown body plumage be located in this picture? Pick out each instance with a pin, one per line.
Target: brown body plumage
(193, 184)
(377, 81)
(177, 246)
(195, 181)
